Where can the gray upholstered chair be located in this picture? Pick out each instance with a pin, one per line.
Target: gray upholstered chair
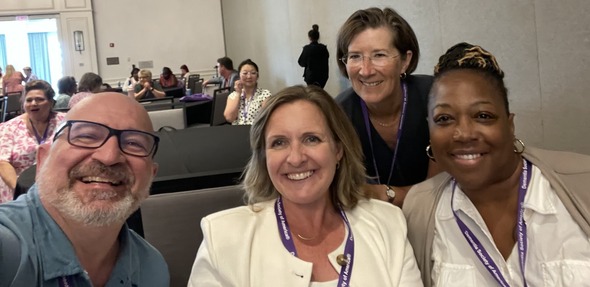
(171, 223)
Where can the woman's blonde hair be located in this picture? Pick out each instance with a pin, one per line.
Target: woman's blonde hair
(345, 189)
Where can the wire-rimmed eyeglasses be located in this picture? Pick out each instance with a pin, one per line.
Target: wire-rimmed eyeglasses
(251, 73)
(377, 59)
(91, 135)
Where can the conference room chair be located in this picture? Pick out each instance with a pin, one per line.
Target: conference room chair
(174, 118)
(171, 223)
(12, 106)
(219, 101)
(195, 83)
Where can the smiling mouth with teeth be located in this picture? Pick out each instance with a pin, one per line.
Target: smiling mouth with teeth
(468, 156)
(372, 84)
(96, 179)
(299, 176)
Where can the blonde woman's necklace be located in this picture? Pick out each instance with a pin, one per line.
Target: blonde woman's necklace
(345, 260)
(306, 238)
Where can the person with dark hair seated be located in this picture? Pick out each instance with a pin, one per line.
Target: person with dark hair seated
(66, 88)
(501, 214)
(184, 72)
(168, 79)
(247, 98)
(20, 136)
(90, 84)
(130, 83)
(227, 75)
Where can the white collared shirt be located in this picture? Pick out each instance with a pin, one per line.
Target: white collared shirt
(558, 250)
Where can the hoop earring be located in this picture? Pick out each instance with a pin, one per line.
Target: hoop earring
(518, 146)
(338, 165)
(429, 153)
(403, 75)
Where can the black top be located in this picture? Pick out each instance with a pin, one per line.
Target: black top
(411, 165)
(314, 58)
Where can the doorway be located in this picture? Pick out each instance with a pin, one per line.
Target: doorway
(32, 41)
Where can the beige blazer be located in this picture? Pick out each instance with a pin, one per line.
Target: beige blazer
(568, 173)
(242, 248)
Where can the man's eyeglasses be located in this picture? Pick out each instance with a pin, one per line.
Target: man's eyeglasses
(91, 135)
(253, 73)
(377, 59)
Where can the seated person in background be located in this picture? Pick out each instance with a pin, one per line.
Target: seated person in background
(89, 84)
(105, 87)
(167, 79)
(132, 80)
(12, 81)
(146, 88)
(501, 214)
(308, 220)
(69, 229)
(184, 72)
(227, 75)
(244, 103)
(20, 136)
(29, 76)
(66, 87)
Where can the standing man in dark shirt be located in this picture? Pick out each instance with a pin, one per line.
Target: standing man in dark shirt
(314, 58)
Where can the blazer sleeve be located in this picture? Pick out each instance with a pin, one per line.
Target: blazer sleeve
(205, 271)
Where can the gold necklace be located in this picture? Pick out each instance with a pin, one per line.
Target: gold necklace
(306, 238)
(382, 124)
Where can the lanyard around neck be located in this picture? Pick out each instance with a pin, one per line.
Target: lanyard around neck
(287, 239)
(246, 104)
(40, 139)
(520, 232)
(399, 133)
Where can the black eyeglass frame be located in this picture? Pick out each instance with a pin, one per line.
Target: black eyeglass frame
(112, 132)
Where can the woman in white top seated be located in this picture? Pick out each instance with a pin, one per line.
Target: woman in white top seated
(501, 214)
(247, 98)
(307, 222)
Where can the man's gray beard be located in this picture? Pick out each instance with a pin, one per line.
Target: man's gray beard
(67, 202)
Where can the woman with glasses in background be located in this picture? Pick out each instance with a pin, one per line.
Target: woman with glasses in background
(247, 98)
(20, 137)
(377, 51)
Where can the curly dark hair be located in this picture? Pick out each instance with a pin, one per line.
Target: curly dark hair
(42, 86)
(472, 57)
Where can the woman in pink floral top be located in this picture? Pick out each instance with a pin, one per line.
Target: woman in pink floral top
(20, 137)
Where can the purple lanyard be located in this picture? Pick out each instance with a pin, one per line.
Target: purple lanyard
(520, 233)
(285, 232)
(65, 281)
(40, 139)
(399, 133)
(246, 104)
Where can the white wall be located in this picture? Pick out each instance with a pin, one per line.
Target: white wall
(543, 47)
(71, 15)
(168, 33)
